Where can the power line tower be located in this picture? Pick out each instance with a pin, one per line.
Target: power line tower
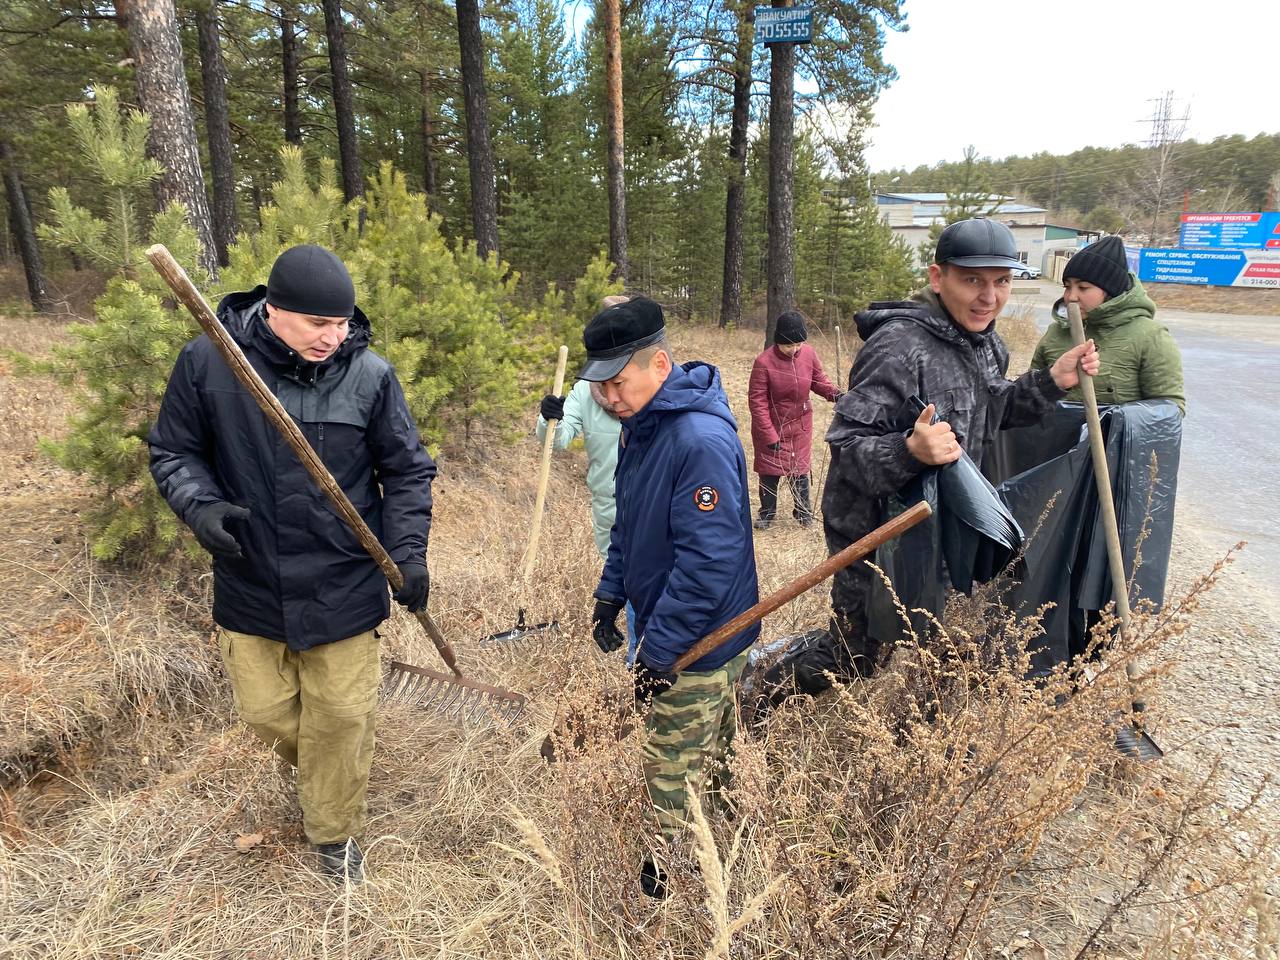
(1162, 181)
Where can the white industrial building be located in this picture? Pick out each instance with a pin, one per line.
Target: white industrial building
(910, 215)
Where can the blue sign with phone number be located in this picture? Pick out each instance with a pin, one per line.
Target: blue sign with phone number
(784, 24)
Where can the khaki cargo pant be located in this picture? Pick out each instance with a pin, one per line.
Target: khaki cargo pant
(316, 709)
(691, 730)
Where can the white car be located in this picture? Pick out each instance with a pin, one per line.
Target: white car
(1026, 272)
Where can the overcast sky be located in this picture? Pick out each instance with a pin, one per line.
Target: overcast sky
(1020, 76)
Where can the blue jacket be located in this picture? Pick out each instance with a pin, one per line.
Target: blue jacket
(681, 547)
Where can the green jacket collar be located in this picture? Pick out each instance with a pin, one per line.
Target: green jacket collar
(1133, 304)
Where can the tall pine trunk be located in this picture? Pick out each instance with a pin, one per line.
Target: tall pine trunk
(166, 99)
(343, 103)
(616, 166)
(484, 192)
(289, 63)
(217, 121)
(24, 230)
(735, 199)
(782, 249)
(429, 184)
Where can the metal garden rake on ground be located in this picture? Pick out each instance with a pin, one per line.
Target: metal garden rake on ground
(453, 696)
(523, 630)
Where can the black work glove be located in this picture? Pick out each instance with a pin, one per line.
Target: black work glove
(649, 683)
(416, 588)
(776, 447)
(552, 407)
(207, 525)
(604, 625)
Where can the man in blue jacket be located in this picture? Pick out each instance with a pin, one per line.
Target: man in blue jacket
(295, 596)
(680, 551)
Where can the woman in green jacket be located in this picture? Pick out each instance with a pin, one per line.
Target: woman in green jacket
(1140, 360)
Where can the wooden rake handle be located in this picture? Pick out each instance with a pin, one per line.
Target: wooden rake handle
(186, 292)
(544, 473)
(807, 581)
(1106, 500)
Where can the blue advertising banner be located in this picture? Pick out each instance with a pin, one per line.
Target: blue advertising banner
(1232, 231)
(1219, 268)
(784, 24)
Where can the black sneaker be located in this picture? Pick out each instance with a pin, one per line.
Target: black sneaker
(341, 861)
(764, 523)
(653, 880)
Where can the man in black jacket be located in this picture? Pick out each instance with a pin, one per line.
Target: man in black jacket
(296, 597)
(942, 347)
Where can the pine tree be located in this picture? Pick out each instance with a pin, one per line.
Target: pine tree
(118, 365)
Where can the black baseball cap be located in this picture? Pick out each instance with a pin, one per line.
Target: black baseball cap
(615, 334)
(978, 243)
(312, 280)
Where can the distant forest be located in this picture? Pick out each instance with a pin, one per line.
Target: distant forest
(1120, 189)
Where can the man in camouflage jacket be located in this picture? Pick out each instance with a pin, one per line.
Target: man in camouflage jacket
(940, 346)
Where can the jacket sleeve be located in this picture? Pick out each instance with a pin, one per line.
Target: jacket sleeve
(1028, 399)
(181, 442)
(571, 425)
(611, 587)
(821, 384)
(866, 428)
(708, 550)
(758, 403)
(1160, 373)
(405, 471)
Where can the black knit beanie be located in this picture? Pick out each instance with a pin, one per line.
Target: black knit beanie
(790, 328)
(310, 279)
(1103, 264)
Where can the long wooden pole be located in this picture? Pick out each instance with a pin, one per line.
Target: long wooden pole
(840, 385)
(807, 581)
(544, 471)
(1106, 499)
(186, 292)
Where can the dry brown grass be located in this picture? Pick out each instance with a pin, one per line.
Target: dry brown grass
(870, 823)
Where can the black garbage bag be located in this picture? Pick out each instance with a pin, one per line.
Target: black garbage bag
(1066, 558)
(970, 538)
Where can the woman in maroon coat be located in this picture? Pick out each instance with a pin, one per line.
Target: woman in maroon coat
(782, 417)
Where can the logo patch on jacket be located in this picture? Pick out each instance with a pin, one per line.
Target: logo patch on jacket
(706, 498)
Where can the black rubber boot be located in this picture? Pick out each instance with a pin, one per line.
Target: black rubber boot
(801, 510)
(768, 502)
(341, 861)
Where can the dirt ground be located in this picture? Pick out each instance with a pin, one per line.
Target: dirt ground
(128, 782)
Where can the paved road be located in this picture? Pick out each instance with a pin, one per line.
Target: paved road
(1229, 481)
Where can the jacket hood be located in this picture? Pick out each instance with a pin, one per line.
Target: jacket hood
(597, 394)
(693, 386)
(1133, 304)
(924, 308)
(245, 317)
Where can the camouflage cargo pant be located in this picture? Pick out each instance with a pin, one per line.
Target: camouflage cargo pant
(691, 730)
(316, 709)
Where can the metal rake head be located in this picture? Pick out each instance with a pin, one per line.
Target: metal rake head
(523, 630)
(455, 698)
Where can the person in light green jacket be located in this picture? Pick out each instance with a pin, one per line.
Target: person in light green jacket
(1140, 360)
(585, 413)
